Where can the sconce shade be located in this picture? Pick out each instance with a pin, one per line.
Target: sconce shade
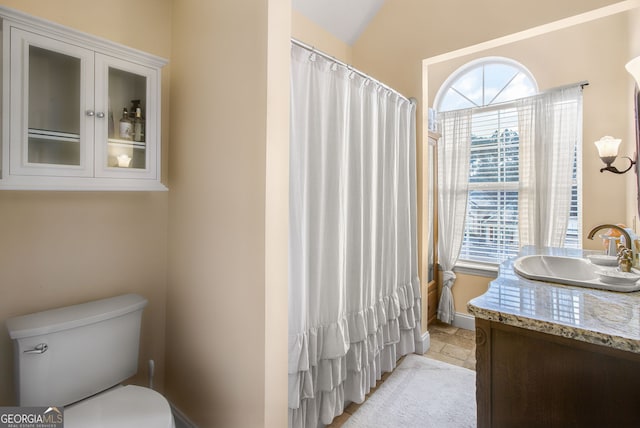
(633, 67)
(608, 152)
(608, 148)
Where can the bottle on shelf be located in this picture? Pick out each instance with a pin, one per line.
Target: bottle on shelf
(138, 126)
(126, 127)
(132, 111)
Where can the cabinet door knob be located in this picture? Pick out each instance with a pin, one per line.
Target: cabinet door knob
(90, 113)
(100, 115)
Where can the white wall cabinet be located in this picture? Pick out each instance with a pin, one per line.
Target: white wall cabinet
(63, 97)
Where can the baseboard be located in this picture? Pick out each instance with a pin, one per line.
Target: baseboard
(466, 321)
(181, 420)
(423, 344)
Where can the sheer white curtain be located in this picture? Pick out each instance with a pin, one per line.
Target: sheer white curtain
(454, 151)
(550, 127)
(354, 293)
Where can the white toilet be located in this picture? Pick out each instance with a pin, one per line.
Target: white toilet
(77, 356)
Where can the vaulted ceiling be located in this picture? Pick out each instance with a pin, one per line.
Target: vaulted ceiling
(345, 19)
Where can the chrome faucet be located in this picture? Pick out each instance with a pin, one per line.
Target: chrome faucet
(625, 255)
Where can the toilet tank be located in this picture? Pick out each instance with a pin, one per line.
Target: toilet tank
(66, 354)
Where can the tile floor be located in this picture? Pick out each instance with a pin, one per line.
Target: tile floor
(450, 344)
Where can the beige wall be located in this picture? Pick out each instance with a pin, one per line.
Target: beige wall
(408, 32)
(61, 248)
(226, 308)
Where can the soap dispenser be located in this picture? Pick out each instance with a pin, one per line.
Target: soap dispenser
(612, 245)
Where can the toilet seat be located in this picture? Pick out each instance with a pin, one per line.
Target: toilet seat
(122, 407)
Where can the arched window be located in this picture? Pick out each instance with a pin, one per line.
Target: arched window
(484, 82)
(490, 86)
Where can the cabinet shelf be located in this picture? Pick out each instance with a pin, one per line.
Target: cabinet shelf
(44, 134)
(127, 143)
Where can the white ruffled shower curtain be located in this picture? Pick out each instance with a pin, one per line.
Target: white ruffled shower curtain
(354, 292)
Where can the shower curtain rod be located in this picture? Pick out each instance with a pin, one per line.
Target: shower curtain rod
(350, 68)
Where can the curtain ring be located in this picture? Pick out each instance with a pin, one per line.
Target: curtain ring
(312, 55)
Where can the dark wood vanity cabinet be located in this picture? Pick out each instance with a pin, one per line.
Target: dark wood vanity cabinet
(527, 378)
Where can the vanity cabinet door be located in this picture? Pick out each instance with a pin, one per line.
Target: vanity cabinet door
(526, 378)
(127, 139)
(51, 107)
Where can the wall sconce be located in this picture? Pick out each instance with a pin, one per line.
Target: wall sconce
(633, 67)
(608, 152)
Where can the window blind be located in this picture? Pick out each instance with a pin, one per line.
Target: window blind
(573, 238)
(491, 230)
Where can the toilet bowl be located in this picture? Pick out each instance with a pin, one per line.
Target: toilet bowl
(77, 356)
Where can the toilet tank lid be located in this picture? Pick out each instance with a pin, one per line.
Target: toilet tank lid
(53, 320)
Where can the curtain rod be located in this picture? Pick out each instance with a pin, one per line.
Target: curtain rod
(505, 104)
(582, 84)
(350, 68)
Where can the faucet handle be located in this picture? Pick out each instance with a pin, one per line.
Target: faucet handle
(625, 258)
(623, 250)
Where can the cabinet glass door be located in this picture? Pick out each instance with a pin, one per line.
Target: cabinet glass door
(129, 135)
(53, 133)
(52, 94)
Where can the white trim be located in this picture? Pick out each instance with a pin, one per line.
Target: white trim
(180, 419)
(465, 321)
(489, 270)
(14, 182)
(424, 343)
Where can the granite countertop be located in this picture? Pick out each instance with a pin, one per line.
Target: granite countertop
(595, 316)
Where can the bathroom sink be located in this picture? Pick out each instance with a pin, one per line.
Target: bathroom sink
(575, 271)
